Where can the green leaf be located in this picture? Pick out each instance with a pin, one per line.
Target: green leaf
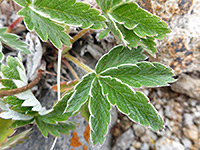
(119, 55)
(45, 27)
(100, 116)
(15, 139)
(133, 40)
(112, 25)
(134, 104)
(16, 73)
(13, 41)
(8, 84)
(20, 123)
(106, 5)
(142, 22)
(23, 3)
(103, 33)
(58, 113)
(70, 12)
(142, 74)
(81, 94)
(11, 71)
(85, 111)
(54, 129)
(5, 129)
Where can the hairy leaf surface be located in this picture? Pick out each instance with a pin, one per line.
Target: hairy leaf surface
(142, 74)
(119, 55)
(13, 41)
(135, 104)
(100, 116)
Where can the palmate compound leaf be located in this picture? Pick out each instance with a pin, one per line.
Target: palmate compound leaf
(134, 104)
(12, 41)
(142, 74)
(100, 116)
(102, 89)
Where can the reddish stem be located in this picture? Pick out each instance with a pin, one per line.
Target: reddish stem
(14, 24)
(24, 88)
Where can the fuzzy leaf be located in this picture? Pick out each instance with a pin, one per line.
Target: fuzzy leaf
(10, 114)
(71, 12)
(54, 129)
(13, 41)
(142, 22)
(119, 55)
(100, 116)
(25, 102)
(5, 129)
(58, 113)
(81, 94)
(45, 27)
(134, 104)
(142, 74)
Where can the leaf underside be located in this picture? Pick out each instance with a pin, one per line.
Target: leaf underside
(13, 41)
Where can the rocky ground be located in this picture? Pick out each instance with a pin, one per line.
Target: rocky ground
(178, 104)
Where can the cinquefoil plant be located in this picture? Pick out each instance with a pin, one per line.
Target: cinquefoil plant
(114, 79)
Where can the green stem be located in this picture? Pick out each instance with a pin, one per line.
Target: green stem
(74, 60)
(79, 35)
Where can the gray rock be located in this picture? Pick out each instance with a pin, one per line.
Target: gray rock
(187, 85)
(186, 142)
(188, 119)
(125, 140)
(139, 130)
(145, 146)
(168, 144)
